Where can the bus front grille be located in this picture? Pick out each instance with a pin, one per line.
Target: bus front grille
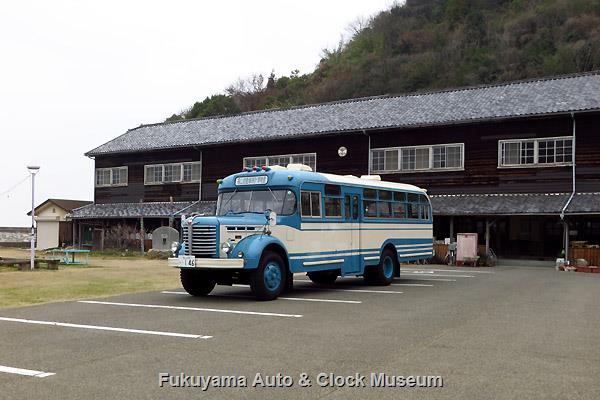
(203, 242)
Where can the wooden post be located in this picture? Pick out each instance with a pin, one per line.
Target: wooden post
(79, 235)
(452, 229)
(74, 232)
(487, 236)
(142, 235)
(102, 237)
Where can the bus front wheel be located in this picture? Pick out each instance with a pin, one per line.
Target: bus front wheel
(197, 282)
(268, 280)
(383, 273)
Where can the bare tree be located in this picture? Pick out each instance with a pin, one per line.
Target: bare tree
(246, 92)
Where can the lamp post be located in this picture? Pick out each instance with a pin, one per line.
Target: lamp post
(33, 170)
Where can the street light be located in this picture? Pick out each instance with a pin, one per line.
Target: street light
(33, 170)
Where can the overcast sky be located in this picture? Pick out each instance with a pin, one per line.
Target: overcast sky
(75, 74)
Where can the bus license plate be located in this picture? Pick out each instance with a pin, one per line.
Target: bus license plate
(188, 261)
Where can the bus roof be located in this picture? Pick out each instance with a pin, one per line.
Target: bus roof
(353, 180)
(280, 177)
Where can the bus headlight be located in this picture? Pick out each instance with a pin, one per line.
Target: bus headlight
(175, 246)
(240, 254)
(226, 247)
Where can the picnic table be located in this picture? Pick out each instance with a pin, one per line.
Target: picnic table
(67, 256)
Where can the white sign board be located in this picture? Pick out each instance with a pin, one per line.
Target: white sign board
(466, 246)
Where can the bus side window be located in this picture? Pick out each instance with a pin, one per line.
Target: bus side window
(354, 207)
(425, 209)
(289, 203)
(333, 207)
(311, 204)
(413, 210)
(384, 209)
(370, 208)
(399, 210)
(305, 203)
(315, 204)
(347, 209)
(412, 207)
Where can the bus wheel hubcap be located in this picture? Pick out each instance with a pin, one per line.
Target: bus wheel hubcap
(388, 267)
(272, 276)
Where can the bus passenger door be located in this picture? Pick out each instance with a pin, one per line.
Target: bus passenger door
(352, 218)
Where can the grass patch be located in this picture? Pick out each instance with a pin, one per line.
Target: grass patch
(103, 277)
(116, 253)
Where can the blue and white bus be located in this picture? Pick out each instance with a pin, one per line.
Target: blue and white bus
(272, 222)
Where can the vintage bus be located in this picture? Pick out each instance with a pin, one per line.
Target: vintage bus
(272, 222)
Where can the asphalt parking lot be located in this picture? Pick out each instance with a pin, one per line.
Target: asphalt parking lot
(502, 333)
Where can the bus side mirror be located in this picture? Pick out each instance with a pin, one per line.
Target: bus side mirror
(271, 217)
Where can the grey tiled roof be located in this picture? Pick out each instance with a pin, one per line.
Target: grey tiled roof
(514, 204)
(137, 210)
(535, 97)
(199, 207)
(467, 204)
(585, 203)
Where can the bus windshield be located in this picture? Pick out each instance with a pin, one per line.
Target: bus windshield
(283, 202)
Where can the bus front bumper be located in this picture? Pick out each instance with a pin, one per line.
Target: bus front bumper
(206, 263)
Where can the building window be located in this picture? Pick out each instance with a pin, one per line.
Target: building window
(157, 174)
(115, 176)
(447, 157)
(309, 159)
(418, 158)
(535, 152)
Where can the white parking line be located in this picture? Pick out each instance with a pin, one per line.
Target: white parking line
(279, 298)
(26, 372)
(104, 328)
(352, 290)
(411, 284)
(419, 273)
(336, 290)
(447, 270)
(432, 280)
(218, 310)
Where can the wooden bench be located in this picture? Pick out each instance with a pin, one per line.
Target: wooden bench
(25, 264)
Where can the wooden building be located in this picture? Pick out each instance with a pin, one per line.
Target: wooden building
(517, 162)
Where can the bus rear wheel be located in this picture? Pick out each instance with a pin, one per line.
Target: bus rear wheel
(197, 282)
(383, 273)
(323, 277)
(267, 281)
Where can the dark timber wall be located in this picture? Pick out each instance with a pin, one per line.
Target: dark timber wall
(220, 161)
(481, 173)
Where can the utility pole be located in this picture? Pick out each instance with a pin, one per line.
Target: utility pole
(33, 170)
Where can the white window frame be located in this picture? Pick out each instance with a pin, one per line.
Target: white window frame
(112, 178)
(289, 156)
(181, 173)
(536, 163)
(412, 171)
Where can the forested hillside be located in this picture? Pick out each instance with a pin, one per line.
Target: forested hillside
(431, 44)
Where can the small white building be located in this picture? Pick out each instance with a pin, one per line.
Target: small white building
(53, 229)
